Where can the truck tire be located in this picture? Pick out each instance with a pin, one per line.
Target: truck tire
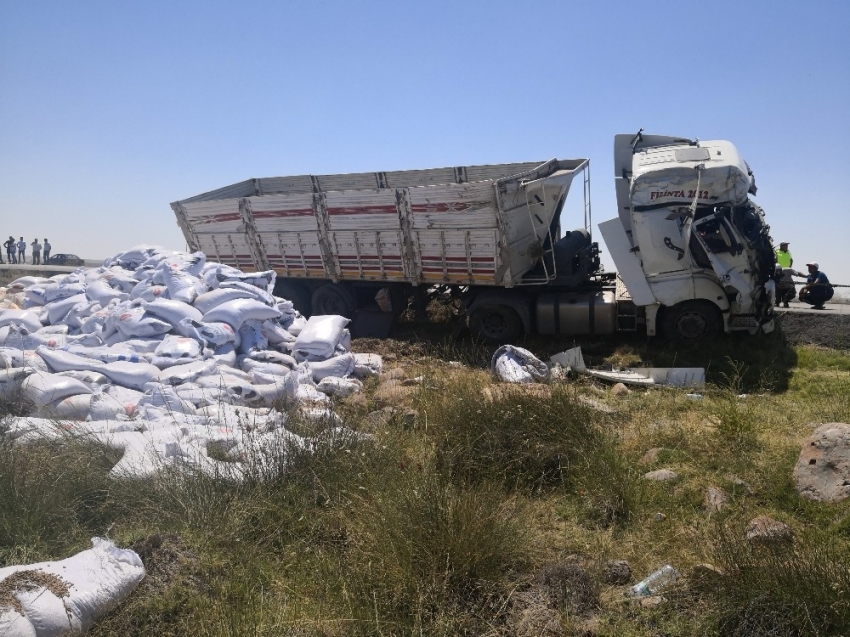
(334, 298)
(692, 321)
(498, 324)
(295, 292)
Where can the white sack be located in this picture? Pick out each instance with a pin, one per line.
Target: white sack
(367, 365)
(97, 579)
(339, 387)
(320, 336)
(21, 318)
(236, 312)
(131, 375)
(212, 299)
(338, 366)
(44, 388)
(517, 365)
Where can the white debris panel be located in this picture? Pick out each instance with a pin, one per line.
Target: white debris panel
(159, 353)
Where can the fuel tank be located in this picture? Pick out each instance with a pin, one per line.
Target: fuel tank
(580, 313)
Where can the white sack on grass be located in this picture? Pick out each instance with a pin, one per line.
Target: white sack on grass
(94, 581)
(338, 366)
(21, 318)
(367, 365)
(236, 312)
(517, 365)
(212, 299)
(339, 387)
(320, 336)
(44, 388)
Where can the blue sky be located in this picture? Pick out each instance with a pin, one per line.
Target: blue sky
(109, 111)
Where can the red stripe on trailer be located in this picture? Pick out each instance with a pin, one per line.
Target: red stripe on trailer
(273, 214)
(362, 210)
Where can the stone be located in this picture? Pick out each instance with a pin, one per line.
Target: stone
(396, 373)
(652, 601)
(617, 572)
(595, 404)
(739, 482)
(651, 455)
(620, 390)
(705, 576)
(661, 475)
(660, 517)
(715, 499)
(822, 472)
(765, 529)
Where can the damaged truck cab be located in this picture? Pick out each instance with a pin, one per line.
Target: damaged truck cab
(689, 244)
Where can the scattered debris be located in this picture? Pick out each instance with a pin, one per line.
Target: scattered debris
(655, 582)
(517, 365)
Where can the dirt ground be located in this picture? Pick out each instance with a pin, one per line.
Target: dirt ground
(831, 331)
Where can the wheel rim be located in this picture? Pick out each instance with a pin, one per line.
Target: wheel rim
(494, 324)
(692, 325)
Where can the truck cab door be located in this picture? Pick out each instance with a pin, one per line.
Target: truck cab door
(724, 248)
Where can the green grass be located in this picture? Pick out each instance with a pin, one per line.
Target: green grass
(445, 523)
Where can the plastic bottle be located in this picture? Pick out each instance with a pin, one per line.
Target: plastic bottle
(655, 581)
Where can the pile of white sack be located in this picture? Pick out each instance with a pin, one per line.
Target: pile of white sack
(63, 597)
(160, 353)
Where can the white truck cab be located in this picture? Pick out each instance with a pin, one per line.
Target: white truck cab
(689, 244)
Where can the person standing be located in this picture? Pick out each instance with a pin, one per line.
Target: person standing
(10, 249)
(46, 250)
(36, 252)
(22, 252)
(817, 290)
(783, 255)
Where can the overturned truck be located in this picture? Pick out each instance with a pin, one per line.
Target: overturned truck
(692, 250)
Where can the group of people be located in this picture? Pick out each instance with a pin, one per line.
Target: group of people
(16, 251)
(817, 290)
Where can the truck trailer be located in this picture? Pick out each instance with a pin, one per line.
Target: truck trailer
(693, 252)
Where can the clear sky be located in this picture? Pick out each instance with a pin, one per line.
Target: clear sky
(109, 110)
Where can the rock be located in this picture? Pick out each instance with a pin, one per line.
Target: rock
(651, 455)
(704, 576)
(569, 588)
(822, 472)
(765, 529)
(660, 517)
(620, 390)
(391, 392)
(396, 373)
(652, 601)
(617, 572)
(715, 499)
(661, 475)
(738, 482)
(595, 404)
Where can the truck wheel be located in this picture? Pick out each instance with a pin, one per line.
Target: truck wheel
(692, 321)
(496, 324)
(334, 298)
(298, 294)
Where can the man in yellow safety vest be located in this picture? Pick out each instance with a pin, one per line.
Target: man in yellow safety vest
(783, 255)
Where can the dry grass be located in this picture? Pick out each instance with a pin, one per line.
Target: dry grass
(477, 509)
